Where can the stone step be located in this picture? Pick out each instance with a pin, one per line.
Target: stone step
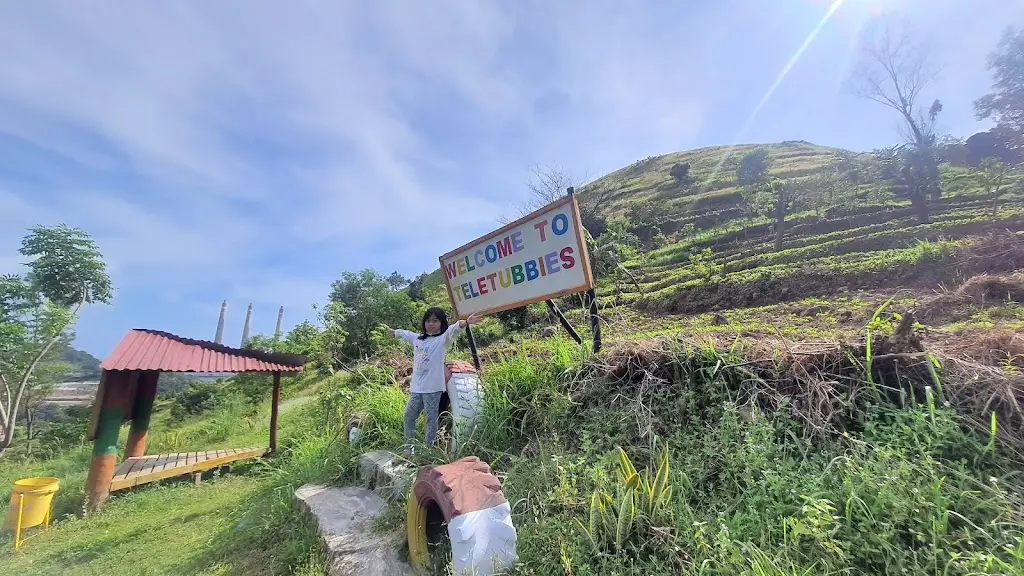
(387, 474)
(345, 518)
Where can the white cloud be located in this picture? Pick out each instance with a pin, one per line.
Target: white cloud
(254, 150)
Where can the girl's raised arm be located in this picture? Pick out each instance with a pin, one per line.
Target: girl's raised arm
(473, 318)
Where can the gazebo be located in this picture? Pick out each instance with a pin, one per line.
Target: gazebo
(126, 392)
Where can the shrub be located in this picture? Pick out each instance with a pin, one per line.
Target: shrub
(524, 396)
(67, 430)
(202, 396)
(681, 174)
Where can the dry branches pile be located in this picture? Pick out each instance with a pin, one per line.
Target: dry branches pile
(822, 384)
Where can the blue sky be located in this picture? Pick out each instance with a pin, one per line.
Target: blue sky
(239, 150)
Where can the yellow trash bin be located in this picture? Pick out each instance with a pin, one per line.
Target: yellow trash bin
(30, 505)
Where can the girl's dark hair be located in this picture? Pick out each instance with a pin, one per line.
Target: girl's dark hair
(436, 313)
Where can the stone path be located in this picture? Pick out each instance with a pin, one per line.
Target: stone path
(345, 516)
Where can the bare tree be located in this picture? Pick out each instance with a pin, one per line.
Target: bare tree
(894, 71)
(546, 185)
(551, 183)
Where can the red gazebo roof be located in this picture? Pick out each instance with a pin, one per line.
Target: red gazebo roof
(143, 349)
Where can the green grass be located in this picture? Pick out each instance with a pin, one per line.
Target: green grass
(242, 522)
(907, 489)
(783, 282)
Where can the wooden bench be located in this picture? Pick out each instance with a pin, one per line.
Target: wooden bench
(146, 469)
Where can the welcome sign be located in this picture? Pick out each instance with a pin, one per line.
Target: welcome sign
(538, 257)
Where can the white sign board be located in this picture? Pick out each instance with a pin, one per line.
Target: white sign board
(538, 257)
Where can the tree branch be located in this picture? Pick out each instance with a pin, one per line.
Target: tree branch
(7, 402)
(13, 411)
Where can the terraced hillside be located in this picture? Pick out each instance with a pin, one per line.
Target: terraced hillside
(711, 254)
(714, 195)
(703, 250)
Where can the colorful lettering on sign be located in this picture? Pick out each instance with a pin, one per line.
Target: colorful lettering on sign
(540, 226)
(517, 241)
(531, 270)
(564, 220)
(567, 260)
(451, 270)
(494, 268)
(504, 247)
(551, 262)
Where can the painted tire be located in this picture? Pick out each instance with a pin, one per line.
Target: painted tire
(352, 428)
(465, 398)
(478, 515)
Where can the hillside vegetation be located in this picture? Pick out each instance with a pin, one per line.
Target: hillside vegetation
(813, 364)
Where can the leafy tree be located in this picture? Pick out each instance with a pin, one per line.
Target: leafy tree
(396, 281)
(681, 174)
(994, 143)
(753, 168)
(363, 302)
(204, 395)
(610, 252)
(991, 175)
(827, 188)
(44, 380)
(37, 310)
(645, 218)
(1005, 104)
(908, 170)
(763, 194)
(894, 72)
(415, 287)
(773, 198)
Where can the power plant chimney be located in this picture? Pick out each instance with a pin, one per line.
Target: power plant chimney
(245, 329)
(280, 318)
(220, 323)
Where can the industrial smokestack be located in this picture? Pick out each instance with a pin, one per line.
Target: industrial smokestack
(245, 329)
(220, 323)
(280, 318)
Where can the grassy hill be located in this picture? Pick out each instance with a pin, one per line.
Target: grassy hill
(714, 169)
(851, 402)
(702, 250)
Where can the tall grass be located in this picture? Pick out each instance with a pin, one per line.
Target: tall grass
(908, 489)
(524, 394)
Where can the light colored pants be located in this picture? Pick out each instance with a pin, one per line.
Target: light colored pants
(417, 403)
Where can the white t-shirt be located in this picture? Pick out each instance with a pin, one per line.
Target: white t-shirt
(428, 359)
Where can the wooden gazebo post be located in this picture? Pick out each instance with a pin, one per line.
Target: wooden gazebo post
(112, 399)
(142, 410)
(276, 399)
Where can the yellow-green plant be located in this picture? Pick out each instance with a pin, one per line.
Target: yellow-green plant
(641, 500)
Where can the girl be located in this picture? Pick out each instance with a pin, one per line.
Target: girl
(427, 383)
